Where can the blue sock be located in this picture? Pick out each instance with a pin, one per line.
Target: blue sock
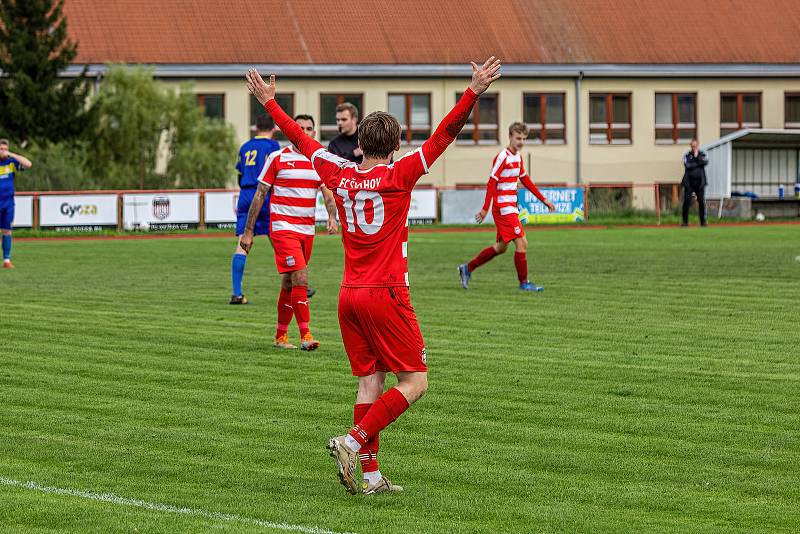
(6, 247)
(237, 272)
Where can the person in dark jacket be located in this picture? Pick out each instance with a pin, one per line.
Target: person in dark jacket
(345, 144)
(694, 182)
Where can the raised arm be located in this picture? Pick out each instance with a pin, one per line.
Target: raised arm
(265, 93)
(453, 122)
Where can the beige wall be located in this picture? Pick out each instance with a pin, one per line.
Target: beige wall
(641, 162)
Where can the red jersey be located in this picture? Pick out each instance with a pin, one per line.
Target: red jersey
(373, 209)
(294, 191)
(373, 204)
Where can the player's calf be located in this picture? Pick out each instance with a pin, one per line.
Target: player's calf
(7, 249)
(465, 271)
(237, 273)
(302, 312)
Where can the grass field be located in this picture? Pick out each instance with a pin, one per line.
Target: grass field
(654, 386)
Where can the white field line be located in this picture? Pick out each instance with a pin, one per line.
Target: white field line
(167, 508)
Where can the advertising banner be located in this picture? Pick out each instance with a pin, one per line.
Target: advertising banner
(23, 211)
(161, 211)
(569, 203)
(82, 213)
(220, 209)
(423, 206)
(460, 206)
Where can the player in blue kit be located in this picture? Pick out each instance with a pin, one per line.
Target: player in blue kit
(10, 165)
(252, 156)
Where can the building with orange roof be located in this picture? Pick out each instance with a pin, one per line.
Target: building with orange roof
(612, 91)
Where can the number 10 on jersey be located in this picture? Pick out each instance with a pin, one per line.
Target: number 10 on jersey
(354, 210)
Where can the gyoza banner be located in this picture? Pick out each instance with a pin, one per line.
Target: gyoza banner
(78, 212)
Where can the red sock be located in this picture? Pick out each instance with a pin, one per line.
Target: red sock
(368, 455)
(300, 306)
(521, 263)
(483, 256)
(386, 409)
(285, 312)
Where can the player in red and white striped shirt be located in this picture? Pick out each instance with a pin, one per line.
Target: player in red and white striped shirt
(294, 184)
(501, 191)
(379, 327)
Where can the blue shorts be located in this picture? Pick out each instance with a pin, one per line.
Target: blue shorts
(243, 208)
(6, 213)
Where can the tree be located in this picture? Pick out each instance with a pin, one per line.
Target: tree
(57, 167)
(132, 115)
(34, 49)
(202, 150)
(140, 125)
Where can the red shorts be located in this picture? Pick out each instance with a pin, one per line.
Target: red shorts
(292, 250)
(508, 227)
(380, 330)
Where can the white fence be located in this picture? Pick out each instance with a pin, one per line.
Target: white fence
(161, 210)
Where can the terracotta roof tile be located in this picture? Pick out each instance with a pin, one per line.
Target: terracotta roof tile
(443, 32)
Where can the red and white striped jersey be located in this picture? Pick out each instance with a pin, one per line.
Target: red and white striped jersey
(507, 168)
(294, 185)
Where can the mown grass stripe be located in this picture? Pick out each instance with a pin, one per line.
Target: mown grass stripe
(160, 507)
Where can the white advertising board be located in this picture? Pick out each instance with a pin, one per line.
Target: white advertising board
(78, 212)
(162, 211)
(220, 209)
(23, 211)
(423, 206)
(460, 206)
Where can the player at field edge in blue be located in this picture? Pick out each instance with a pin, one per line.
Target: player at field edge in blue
(252, 156)
(10, 165)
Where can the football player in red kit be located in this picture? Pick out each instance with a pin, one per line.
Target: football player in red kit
(378, 324)
(501, 194)
(288, 177)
